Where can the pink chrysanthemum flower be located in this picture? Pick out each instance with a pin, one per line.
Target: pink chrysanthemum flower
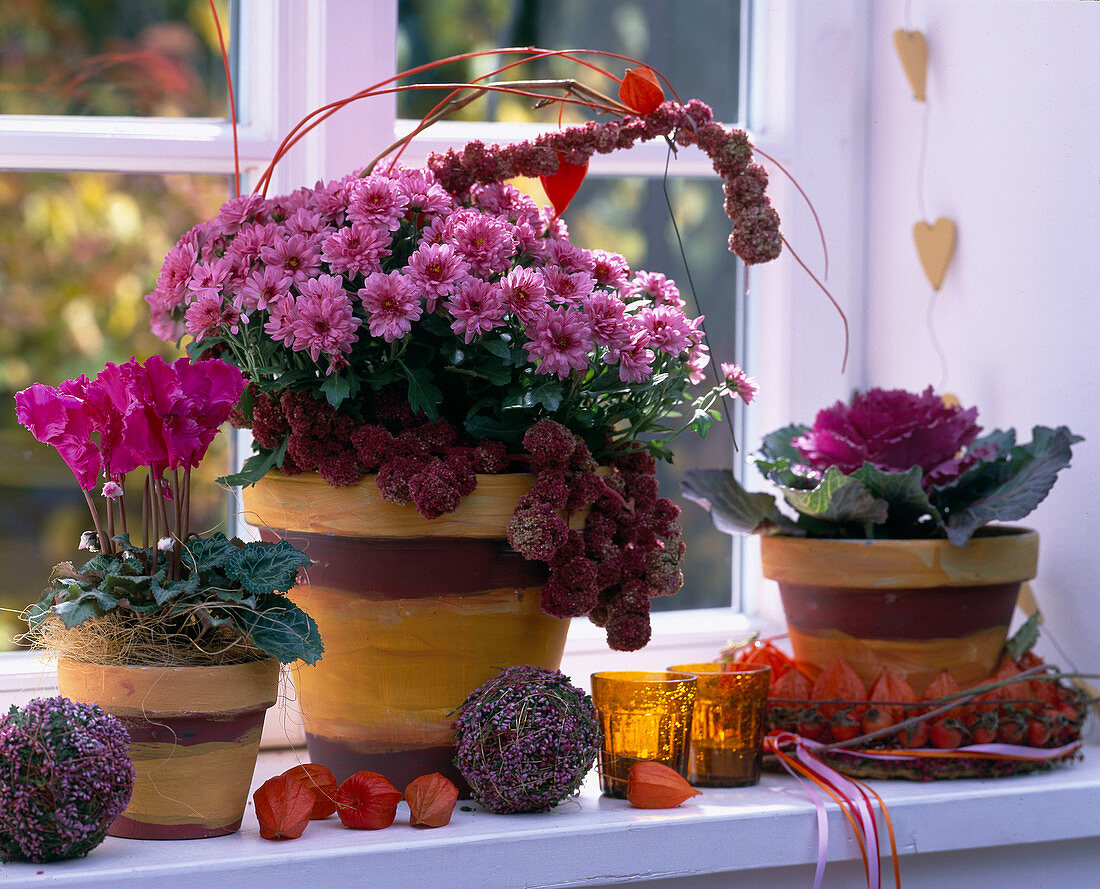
(485, 242)
(298, 256)
(669, 330)
(560, 342)
(570, 258)
(607, 321)
(392, 304)
(304, 222)
(738, 383)
(508, 201)
(244, 251)
(609, 269)
(331, 200)
(659, 290)
(424, 194)
(208, 278)
(437, 231)
(636, 360)
(565, 287)
(434, 269)
(357, 249)
(281, 315)
(262, 288)
(237, 211)
(209, 314)
(524, 294)
(175, 273)
(698, 360)
(529, 241)
(477, 307)
(377, 201)
(325, 323)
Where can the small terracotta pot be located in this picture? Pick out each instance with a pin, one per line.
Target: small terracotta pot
(914, 606)
(415, 614)
(194, 738)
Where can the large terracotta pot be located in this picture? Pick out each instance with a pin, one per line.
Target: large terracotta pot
(914, 606)
(414, 614)
(194, 737)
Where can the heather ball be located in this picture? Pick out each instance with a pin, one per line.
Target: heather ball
(526, 739)
(65, 775)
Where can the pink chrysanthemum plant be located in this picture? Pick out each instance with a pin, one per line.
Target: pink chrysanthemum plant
(890, 464)
(425, 325)
(152, 423)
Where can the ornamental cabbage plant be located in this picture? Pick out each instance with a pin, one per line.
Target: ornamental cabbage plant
(889, 464)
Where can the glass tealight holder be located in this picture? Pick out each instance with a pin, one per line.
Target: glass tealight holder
(645, 716)
(727, 726)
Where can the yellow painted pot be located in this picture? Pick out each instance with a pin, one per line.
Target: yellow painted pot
(194, 737)
(414, 613)
(914, 606)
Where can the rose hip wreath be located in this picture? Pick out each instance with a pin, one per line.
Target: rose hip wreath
(427, 325)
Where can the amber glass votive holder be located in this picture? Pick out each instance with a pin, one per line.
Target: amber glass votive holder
(727, 726)
(644, 716)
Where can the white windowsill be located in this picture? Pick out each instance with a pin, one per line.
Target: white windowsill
(1030, 830)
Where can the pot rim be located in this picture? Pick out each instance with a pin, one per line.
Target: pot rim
(171, 691)
(1004, 554)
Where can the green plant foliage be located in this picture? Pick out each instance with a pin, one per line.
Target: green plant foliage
(225, 582)
(1004, 485)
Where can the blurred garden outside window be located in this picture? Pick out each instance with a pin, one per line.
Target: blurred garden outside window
(102, 171)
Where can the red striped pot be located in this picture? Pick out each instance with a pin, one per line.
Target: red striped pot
(415, 614)
(194, 738)
(914, 606)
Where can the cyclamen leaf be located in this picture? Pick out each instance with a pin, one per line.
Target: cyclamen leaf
(839, 498)
(204, 554)
(282, 629)
(1024, 639)
(263, 568)
(89, 604)
(733, 510)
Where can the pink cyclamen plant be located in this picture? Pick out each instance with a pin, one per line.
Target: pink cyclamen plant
(159, 416)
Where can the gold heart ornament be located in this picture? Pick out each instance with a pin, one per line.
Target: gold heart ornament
(913, 51)
(935, 245)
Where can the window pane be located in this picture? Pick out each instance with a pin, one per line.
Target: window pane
(140, 58)
(78, 252)
(694, 42)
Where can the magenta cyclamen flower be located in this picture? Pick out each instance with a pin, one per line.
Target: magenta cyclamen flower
(325, 323)
(895, 430)
(391, 303)
(62, 421)
(560, 342)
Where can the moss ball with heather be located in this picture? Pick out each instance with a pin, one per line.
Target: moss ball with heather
(526, 739)
(65, 775)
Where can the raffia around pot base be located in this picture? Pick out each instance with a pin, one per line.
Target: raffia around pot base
(118, 639)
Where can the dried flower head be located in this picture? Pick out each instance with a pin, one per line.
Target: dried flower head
(526, 739)
(65, 775)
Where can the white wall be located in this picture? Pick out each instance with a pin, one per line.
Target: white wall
(1013, 157)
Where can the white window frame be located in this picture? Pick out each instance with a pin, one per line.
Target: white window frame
(296, 56)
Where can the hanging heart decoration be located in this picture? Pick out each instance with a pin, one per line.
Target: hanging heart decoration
(913, 51)
(935, 245)
(563, 184)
